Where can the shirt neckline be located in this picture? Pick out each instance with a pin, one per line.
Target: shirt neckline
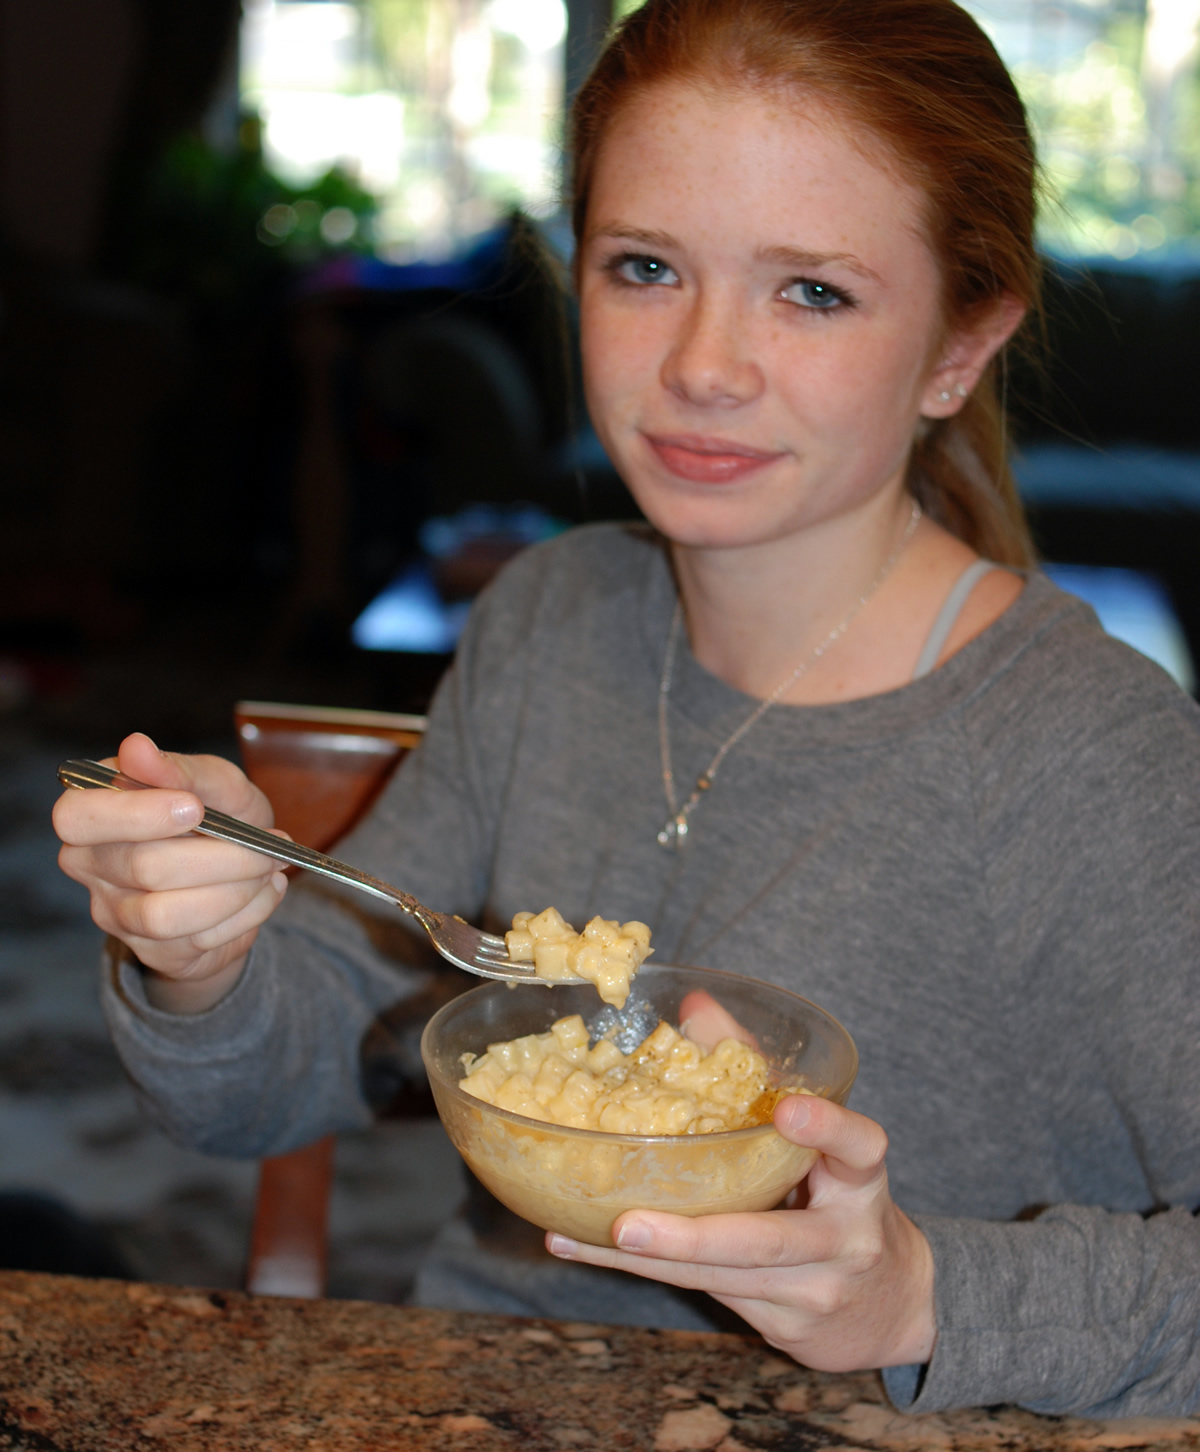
(714, 707)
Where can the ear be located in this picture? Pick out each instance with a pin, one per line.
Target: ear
(966, 352)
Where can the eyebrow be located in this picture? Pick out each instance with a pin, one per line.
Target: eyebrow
(790, 257)
(622, 233)
(800, 259)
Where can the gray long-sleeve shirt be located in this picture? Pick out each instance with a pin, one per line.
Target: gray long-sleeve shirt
(989, 876)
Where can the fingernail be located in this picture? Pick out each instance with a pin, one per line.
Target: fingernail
(798, 1113)
(560, 1245)
(186, 811)
(279, 882)
(634, 1236)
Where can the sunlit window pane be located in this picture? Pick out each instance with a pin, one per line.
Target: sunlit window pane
(1112, 93)
(448, 111)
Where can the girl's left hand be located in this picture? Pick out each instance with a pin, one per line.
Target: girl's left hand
(844, 1284)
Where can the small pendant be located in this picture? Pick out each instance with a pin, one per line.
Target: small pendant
(674, 833)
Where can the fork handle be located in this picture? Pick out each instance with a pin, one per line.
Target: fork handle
(90, 774)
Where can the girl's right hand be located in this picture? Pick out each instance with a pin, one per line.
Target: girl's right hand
(189, 907)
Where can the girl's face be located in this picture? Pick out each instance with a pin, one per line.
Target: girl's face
(760, 314)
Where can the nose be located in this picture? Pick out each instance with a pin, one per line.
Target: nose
(709, 363)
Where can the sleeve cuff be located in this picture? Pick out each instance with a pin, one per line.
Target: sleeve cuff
(191, 1036)
(1081, 1311)
(903, 1384)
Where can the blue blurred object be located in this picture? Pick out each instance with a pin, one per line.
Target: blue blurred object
(1119, 477)
(522, 524)
(1133, 607)
(478, 266)
(411, 614)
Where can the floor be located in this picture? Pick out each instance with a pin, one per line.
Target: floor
(69, 1125)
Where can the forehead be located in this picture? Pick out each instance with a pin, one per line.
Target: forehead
(744, 161)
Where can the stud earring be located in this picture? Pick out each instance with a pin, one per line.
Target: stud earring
(944, 396)
(961, 389)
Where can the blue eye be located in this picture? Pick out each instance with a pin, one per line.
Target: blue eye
(642, 271)
(818, 296)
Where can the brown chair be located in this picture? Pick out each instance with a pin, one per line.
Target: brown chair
(321, 768)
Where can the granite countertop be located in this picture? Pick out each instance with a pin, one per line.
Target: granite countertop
(107, 1366)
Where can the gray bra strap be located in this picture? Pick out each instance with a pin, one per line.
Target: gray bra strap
(948, 615)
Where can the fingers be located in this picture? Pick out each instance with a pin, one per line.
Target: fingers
(175, 932)
(751, 1241)
(92, 818)
(705, 1022)
(188, 906)
(854, 1147)
(213, 780)
(159, 866)
(210, 918)
(183, 784)
(725, 1255)
(192, 913)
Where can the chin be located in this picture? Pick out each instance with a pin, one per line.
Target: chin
(710, 524)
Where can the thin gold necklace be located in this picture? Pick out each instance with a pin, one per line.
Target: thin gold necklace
(675, 829)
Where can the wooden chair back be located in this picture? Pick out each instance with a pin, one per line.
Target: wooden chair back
(321, 768)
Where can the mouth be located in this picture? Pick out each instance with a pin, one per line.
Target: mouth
(705, 459)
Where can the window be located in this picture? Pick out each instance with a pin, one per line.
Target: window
(449, 111)
(1111, 87)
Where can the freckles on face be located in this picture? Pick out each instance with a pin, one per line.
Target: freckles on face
(754, 287)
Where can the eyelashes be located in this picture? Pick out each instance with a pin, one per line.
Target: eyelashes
(818, 297)
(641, 270)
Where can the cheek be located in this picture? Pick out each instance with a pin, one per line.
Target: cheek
(880, 376)
(621, 357)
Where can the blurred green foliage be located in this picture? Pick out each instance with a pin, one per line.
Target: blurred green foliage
(219, 225)
(1119, 179)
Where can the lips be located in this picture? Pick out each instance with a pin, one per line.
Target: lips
(707, 460)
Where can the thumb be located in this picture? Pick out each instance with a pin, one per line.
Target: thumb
(141, 759)
(853, 1146)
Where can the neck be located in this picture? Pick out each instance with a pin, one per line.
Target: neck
(754, 613)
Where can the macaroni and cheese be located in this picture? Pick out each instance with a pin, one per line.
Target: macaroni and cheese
(667, 1085)
(607, 953)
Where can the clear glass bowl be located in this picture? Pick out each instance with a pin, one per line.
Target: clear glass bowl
(577, 1181)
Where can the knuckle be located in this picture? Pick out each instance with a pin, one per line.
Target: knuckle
(874, 1146)
(877, 1154)
(142, 868)
(777, 1246)
(60, 816)
(70, 861)
(215, 935)
(154, 918)
(123, 913)
(237, 791)
(869, 1249)
(103, 916)
(824, 1296)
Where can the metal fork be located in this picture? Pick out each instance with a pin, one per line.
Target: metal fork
(456, 940)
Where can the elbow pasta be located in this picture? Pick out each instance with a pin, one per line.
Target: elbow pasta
(667, 1085)
(607, 953)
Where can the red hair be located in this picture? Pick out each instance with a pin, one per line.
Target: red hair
(925, 81)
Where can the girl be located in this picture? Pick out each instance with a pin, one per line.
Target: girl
(820, 723)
